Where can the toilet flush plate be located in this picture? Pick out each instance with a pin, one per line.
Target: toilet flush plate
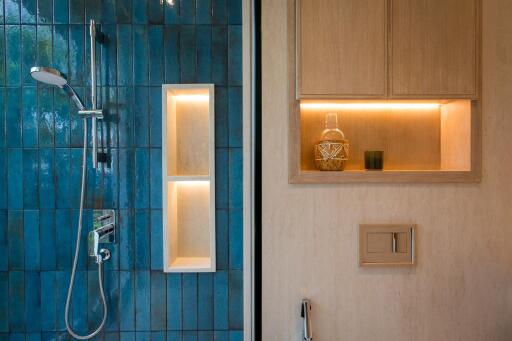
(387, 244)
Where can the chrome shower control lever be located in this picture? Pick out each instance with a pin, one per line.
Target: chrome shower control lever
(104, 227)
(306, 315)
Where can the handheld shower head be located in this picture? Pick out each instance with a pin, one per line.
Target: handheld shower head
(52, 76)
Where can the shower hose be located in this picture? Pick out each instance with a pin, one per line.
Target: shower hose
(77, 252)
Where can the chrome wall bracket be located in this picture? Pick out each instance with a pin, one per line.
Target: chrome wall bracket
(305, 313)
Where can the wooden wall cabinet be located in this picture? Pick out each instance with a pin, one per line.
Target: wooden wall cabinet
(433, 48)
(387, 49)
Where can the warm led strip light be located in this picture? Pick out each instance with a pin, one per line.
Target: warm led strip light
(192, 98)
(370, 106)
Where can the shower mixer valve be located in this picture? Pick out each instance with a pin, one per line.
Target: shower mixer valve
(104, 227)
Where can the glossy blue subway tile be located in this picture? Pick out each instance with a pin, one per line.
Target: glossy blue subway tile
(2, 11)
(204, 53)
(62, 279)
(49, 336)
(235, 116)
(63, 238)
(30, 120)
(93, 10)
(222, 239)
(156, 58)
(89, 289)
(111, 336)
(13, 55)
(111, 180)
(172, 12)
(61, 107)
(141, 116)
(236, 306)
(158, 304)
(205, 335)
(221, 300)
(77, 11)
(236, 335)
(127, 336)
(75, 176)
(12, 11)
(45, 11)
(2, 55)
(126, 239)
(46, 188)
(112, 291)
(30, 178)
(13, 117)
(221, 335)
(31, 239)
(61, 48)
(76, 54)
(124, 11)
(205, 301)
(126, 177)
(29, 52)
(126, 301)
(142, 336)
(108, 126)
(33, 301)
(62, 172)
(190, 335)
(140, 12)
(235, 12)
(44, 45)
(155, 12)
(221, 178)
(17, 336)
(61, 11)
(4, 261)
(108, 12)
(220, 55)
(172, 56)
(220, 12)
(188, 54)
(83, 259)
(16, 301)
(48, 240)
(142, 301)
(221, 117)
(158, 336)
(108, 55)
(124, 55)
(174, 302)
(142, 240)
(3, 178)
(141, 178)
(33, 336)
(2, 112)
(155, 117)
(188, 12)
(126, 117)
(203, 12)
(140, 55)
(235, 55)
(14, 180)
(46, 118)
(48, 300)
(174, 336)
(155, 178)
(156, 240)
(4, 302)
(190, 301)
(235, 178)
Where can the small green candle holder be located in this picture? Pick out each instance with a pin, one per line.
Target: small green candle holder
(374, 160)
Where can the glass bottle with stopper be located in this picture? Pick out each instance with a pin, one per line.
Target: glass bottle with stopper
(332, 150)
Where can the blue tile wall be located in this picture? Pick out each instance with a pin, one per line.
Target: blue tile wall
(146, 44)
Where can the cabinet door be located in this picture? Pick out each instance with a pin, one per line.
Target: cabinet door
(434, 48)
(341, 48)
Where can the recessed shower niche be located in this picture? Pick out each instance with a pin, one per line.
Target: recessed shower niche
(188, 164)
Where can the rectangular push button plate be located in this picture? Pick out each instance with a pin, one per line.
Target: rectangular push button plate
(386, 244)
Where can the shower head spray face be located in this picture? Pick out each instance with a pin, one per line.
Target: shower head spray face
(48, 75)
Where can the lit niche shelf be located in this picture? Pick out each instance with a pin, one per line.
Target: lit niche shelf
(422, 140)
(188, 169)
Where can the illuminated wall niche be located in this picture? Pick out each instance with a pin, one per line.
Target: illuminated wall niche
(188, 173)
